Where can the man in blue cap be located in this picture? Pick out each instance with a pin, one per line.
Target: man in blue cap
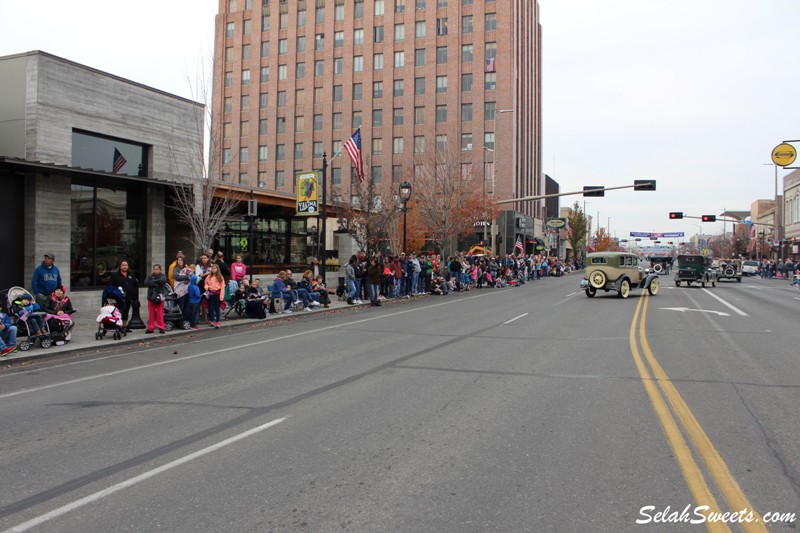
(46, 278)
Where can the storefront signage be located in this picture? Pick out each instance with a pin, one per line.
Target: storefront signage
(306, 186)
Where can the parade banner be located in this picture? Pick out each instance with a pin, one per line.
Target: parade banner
(306, 186)
(650, 235)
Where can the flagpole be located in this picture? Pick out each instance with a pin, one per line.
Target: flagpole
(323, 251)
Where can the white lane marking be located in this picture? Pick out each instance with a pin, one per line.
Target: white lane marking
(138, 479)
(229, 349)
(516, 318)
(570, 295)
(684, 309)
(735, 309)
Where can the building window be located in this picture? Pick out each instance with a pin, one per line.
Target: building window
(318, 122)
(265, 48)
(245, 102)
(358, 9)
(319, 16)
(358, 91)
(280, 152)
(301, 43)
(397, 116)
(466, 53)
(280, 179)
(243, 155)
(358, 64)
(226, 155)
(358, 36)
(337, 121)
(399, 6)
(420, 5)
(419, 144)
(466, 2)
(298, 150)
(336, 176)
(265, 23)
(488, 140)
(441, 26)
(111, 225)
(228, 105)
(378, 8)
(419, 86)
(338, 39)
(262, 127)
(262, 153)
(356, 120)
(319, 67)
(399, 32)
(264, 77)
(299, 97)
(466, 82)
(244, 128)
(441, 114)
(419, 115)
(419, 57)
(318, 95)
(377, 89)
(281, 98)
(441, 143)
(399, 59)
(377, 34)
(466, 24)
(377, 146)
(229, 54)
(247, 27)
(420, 29)
(377, 62)
(490, 81)
(283, 20)
(229, 30)
(490, 51)
(488, 110)
(262, 179)
(227, 130)
(377, 117)
(441, 55)
(300, 71)
(397, 173)
(377, 175)
(399, 87)
(299, 124)
(319, 41)
(317, 149)
(301, 18)
(466, 142)
(283, 46)
(228, 79)
(244, 179)
(397, 145)
(337, 93)
(441, 84)
(245, 77)
(441, 3)
(338, 65)
(280, 125)
(338, 12)
(283, 72)
(466, 112)
(491, 22)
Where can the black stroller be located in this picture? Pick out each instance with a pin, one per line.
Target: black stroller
(26, 335)
(110, 317)
(173, 316)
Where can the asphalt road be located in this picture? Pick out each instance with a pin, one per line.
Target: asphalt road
(521, 409)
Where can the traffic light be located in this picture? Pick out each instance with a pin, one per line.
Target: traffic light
(709, 218)
(674, 215)
(644, 185)
(593, 190)
(669, 242)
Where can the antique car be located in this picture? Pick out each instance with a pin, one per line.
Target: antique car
(730, 270)
(616, 271)
(659, 264)
(693, 268)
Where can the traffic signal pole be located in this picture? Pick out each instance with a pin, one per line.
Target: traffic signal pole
(593, 191)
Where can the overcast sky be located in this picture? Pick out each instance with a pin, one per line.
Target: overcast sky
(691, 93)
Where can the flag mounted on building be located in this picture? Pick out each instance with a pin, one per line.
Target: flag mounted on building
(119, 161)
(519, 246)
(490, 65)
(569, 229)
(353, 147)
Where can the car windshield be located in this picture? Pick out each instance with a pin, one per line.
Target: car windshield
(691, 259)
(750, 263)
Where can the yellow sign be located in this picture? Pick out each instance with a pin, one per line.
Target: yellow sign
(784, 154)
(307, 203)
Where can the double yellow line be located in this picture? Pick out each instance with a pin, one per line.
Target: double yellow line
(677, 420)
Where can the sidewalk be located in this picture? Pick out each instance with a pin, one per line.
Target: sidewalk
(83, 334)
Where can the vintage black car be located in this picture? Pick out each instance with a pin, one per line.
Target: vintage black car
(693, 268)
(616, 271)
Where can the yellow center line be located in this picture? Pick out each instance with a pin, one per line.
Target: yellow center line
(719, 471)
(691, 472)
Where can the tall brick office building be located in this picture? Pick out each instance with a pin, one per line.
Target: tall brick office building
(293, 79)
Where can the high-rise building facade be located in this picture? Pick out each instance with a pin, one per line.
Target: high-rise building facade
(294, 79)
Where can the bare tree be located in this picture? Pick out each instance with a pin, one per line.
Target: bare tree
(446, 197)
(200, 199)
(371, 214)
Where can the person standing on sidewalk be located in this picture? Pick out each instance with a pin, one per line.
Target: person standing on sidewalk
(46, 278)
(215, 287)
(8, 335)
(124, 280)
(374, 275)
(156, 284)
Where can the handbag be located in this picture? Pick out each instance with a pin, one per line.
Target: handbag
(156, 298)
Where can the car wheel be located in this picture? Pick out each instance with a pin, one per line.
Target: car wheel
(597, 279)
(658, 268)
(729, 272)
(677, 283)
(624, 288)
(654, 286)
(590, 292)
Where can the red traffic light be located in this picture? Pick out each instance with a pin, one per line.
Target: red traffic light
(673, 215)
(709, 218)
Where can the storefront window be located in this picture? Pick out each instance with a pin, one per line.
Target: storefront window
(106, 154)
(106, 228)
(272, 241)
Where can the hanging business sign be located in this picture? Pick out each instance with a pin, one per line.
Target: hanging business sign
(556, 223)
(306, 187)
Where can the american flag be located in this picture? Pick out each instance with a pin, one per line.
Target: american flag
(119, 161)
(518, 245)
(569, 229)
(353, 147)
(490, 65)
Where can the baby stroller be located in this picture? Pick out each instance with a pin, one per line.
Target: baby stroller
(110, 317)
(26, 335)
(173, 316)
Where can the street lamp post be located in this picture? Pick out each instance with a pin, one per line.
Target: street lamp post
(494, 169)
(405, 196)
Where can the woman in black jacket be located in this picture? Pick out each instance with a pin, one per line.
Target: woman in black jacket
(124, 280)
